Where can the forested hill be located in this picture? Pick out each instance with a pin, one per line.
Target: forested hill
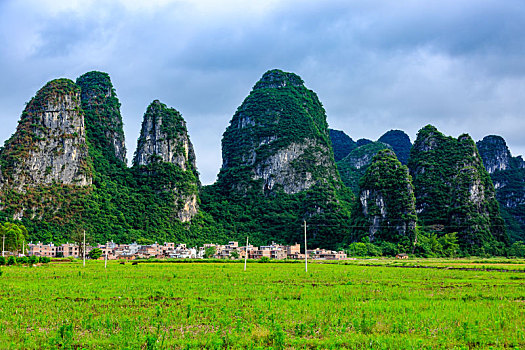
(65, 170)
(278, 168)
(70, 135)
(454, 192)
(508, 175)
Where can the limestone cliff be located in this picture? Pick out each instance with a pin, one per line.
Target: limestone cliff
(165, 153)
(278, 168)
(46, 169)
(508, 175)
(278, 138)
(495, 153)
(454, 192)
(386, 200)
(103, 119)
(49, 145)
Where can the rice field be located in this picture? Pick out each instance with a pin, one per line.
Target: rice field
(271, 305)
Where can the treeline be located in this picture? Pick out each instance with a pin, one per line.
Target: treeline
(430, 245)
(23, 260)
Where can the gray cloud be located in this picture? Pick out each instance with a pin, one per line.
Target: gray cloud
(376, 65)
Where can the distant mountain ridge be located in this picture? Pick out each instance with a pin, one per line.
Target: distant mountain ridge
(341, 143)
(64, 171)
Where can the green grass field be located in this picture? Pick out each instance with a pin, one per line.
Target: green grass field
(272, 305)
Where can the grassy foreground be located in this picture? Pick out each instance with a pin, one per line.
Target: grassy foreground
(186, 306)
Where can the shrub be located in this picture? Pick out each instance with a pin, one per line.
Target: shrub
(2, 260)
(45, 259)
(21, 260)
(11, 260)
(264, 259)
(32, 259)
(95, 253)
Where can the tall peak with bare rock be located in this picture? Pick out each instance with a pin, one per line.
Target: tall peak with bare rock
(278, 164)
(166, 159)
(49, 145)
(45, 165)
(103, 119)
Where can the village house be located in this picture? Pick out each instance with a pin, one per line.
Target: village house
(114, 251)
(67, 249)
(183, 252)
(224, 252)
(40, 249)
(323, 254)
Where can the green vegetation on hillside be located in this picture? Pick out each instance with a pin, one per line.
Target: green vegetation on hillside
(454, 192)
(400, 143)
(354, 165)
(386, 206)
(279, 117)
(341, 143)
(508, 175)
(122, 204)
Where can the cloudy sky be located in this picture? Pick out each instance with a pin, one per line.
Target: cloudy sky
(376, 65)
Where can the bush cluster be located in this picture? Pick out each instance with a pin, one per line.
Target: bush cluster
(23, 260)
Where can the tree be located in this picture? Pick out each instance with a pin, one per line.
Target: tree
(145, 241)
(517, 249)
(209, 252)
(357, 249)
(14, 235)
(450, 245)
(95, 253)
(77, 236)
(234, 254)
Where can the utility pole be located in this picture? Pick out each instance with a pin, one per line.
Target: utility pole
(3, 245)
(305, 250)
(23, 247)
(246, 255)
(106, 260)
(84, 250)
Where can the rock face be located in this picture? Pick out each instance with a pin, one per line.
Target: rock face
(387, 201)
(400, 143)
(103, 119)
(495, 153)
(49, 145)
(341, 143)
(165, 150)
(354, 165)
(64, 170)
(508, 175)
(278, 138)
(454, 192)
